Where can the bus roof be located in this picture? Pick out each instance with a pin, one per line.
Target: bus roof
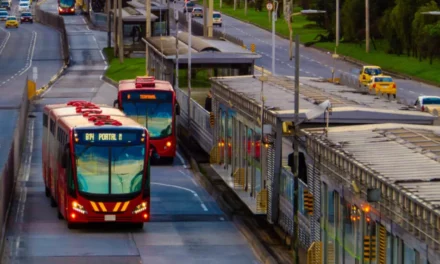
(131, 85)
(49, 108)
(79, 121)
(68, 111)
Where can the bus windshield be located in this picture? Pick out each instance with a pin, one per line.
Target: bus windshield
(152, 109)
(66, 3)
(104, 167)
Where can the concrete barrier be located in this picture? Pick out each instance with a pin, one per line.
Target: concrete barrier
(13, 127)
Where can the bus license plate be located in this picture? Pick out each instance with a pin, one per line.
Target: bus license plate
(110, 217)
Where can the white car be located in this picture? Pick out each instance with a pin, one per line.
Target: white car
(423, 101)
(24, 6)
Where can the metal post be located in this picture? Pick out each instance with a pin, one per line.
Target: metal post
(189, 68)
(205, 20)
(115, 28)
(296, 155)
(274, 18)
(367, 26)
(176, 16)
(262, 126)
(337, 23)
(147, 33)
(120, 33)
(210, 14)
(109, 24)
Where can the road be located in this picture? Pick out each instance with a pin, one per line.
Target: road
(313, 63)
(186, 224)
(23, 49)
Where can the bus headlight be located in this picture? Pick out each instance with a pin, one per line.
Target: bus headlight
(140, 208)
(168, 144)
(79, 208)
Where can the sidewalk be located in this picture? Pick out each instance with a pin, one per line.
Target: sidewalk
(266, 242)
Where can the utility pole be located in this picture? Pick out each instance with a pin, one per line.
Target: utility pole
(120, 33)
(274, 19)
(367, 26)
(210, 14)
(115, 34)
(109, 25)
(205, 21)
(148, 33)
(296, 156)
(337, 23)
(189, 67)
(176, 17)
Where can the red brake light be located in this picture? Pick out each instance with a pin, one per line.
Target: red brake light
(394, 85)
(374, 85)
(363, 77)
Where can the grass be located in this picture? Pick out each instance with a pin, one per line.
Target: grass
(308, 31)
(133, 67)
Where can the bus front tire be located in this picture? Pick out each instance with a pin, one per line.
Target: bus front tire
(72, 225)
(139, 225)
(60, 216)
(53, 203)
(47, 192)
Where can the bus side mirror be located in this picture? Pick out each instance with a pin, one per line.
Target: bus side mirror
(65, 156)
(177, 109)
(116, 104)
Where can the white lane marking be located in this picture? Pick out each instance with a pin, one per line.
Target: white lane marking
(5, 41)
(102, 56)
(188, 176)
(31, 52)
(181, 159)
(412, 92)
(183, 188)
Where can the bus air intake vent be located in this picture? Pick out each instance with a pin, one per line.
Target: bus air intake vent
(87, 112)
(80, 103)
(100, 120)
(143, 82)
(80, 109)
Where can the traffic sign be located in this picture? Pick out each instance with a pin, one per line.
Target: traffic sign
(269, 6)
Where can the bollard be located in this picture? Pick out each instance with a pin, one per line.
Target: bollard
(252, 47)
(31, 89)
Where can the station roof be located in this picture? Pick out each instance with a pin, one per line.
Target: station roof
(353, 109)
(404, 156)
(140, 4)
(130, 14)
(204, 50)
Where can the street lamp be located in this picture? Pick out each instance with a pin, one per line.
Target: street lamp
(274, 19)
(189, 65)
(176, 18)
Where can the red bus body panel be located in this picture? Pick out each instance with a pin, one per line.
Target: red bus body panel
(160, 144)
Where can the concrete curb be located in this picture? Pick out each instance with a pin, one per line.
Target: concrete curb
(346, 58)
(110, 81)
(265, 255)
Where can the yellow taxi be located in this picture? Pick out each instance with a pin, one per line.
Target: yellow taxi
(382, 85)
(367, 72)
(11, 21)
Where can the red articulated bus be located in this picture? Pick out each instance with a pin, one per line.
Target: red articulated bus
(152, 103)
(96, 164)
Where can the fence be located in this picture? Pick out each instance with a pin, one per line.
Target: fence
(197, 29)
(200, 128)
(57, 22)
(10, 157)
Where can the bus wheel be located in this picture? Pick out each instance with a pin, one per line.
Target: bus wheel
(72, 225)
(60, 216)
(139, 225)
(47, 192)
(53, 203)
(168, 160)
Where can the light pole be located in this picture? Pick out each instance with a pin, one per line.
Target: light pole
(148, 32)
(337, 23)
(274, 10)
(189, 67)
(176, 18)
(367, 26)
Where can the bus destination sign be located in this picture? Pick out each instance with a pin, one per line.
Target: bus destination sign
(122, 137)
(148, 95)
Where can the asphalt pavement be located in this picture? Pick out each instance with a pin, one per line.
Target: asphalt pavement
(313, 62)
(186, 224)
(23, 51)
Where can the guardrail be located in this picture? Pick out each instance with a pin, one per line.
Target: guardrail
(197, 29)
(10, 160)
(57, 22)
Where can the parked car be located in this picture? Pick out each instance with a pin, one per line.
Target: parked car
(24, 6)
